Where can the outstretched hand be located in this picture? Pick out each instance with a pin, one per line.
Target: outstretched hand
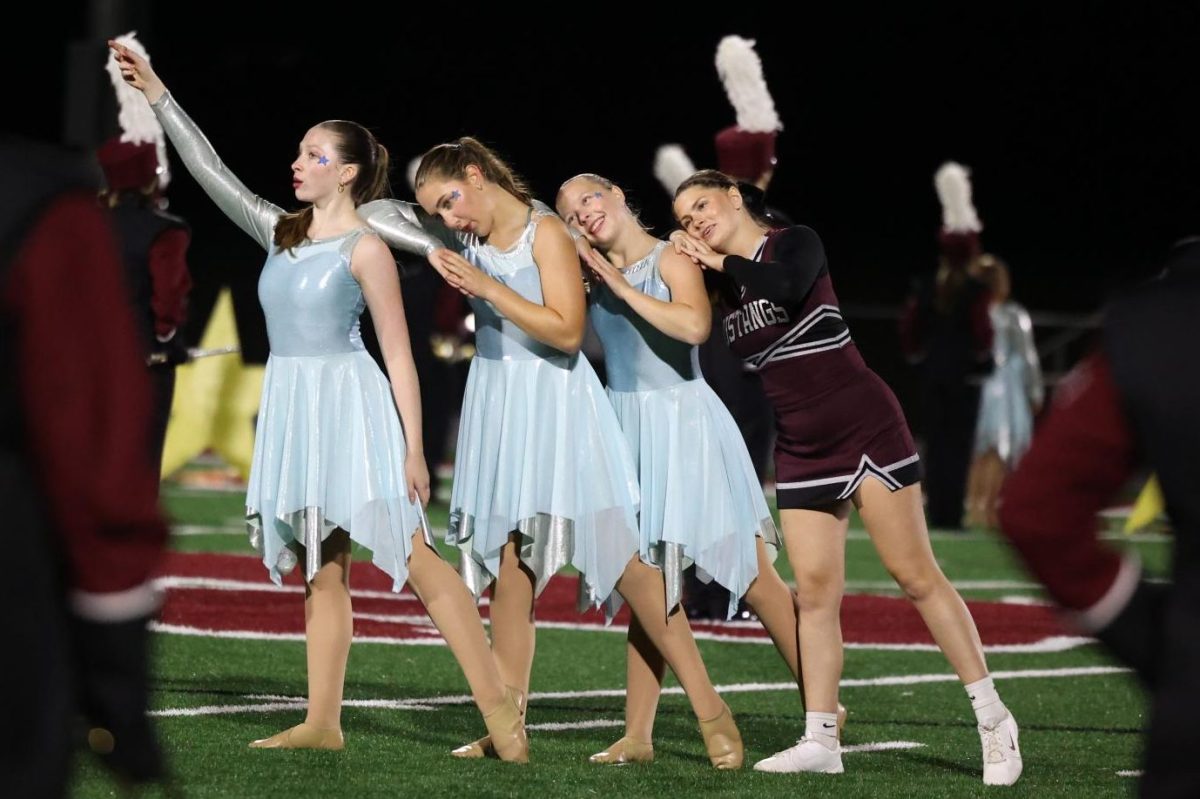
(137, 72)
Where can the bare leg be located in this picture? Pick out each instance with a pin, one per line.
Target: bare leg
(775, 605)
(994, 477)
(644, 668)
(456, 616)
(816, 546)
(513, 633)
(896, 524)
(328, 628)
(976, 492)
(642, 587)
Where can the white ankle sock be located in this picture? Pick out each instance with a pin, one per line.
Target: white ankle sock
(989, 710)
(822, 727)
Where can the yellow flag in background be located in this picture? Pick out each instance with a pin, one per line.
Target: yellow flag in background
(216, 400)
(1148, 507)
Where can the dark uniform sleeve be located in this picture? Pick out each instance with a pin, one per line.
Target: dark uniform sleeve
(170, 280)
(798, 260)
(1082, 455)
(87, 406)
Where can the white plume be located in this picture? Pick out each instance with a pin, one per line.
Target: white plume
(410, 173)
(136, 118)
(953, 184)
(672, 167)
(741, 71)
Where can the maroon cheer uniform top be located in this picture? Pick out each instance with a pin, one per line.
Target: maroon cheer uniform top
(838, 423)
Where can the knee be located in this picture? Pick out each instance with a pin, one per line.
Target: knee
(818, 591)
(918, 582)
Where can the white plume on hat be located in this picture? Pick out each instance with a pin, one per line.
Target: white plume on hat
(672, 167)
(136, 118)
(741, 71)
(410, 172)
(953, 184)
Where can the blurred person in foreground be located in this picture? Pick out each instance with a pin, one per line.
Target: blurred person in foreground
(1134, 402)
(77, 484)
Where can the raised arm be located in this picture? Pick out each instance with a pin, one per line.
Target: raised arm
(251, 213)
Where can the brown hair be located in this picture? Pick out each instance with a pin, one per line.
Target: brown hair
(451, 161)
(355, 145)
(754, 199)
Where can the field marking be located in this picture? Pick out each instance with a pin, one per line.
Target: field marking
(223, 584)
(249, 635)
(1052, 644)
(559, 726)
(881, 746)
(288, 703)
(1135, 773)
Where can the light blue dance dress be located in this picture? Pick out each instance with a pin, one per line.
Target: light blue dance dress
(1014, 387)
(329, 446)
(539, 449)
(701, 499)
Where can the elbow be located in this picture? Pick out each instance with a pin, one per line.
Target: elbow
(698, 332)
(570, 343)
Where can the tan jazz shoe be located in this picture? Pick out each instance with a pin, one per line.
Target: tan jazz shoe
(625, 751)
(483, 747)
(303, 736)
(506, 729)
(723, 741)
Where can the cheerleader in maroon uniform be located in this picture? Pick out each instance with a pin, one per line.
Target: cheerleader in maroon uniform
(842, 440)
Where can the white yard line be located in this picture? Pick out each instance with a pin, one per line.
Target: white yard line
(880, 746)
(1057, 643)
(279, 703)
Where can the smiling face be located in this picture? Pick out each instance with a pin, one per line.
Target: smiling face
(459, 202)
(318, 169)
(595, 210)
(710, 213)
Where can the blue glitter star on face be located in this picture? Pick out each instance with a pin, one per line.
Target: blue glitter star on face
(323, 160)
(456, 195)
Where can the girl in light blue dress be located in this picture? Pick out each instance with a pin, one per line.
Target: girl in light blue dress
(543, 476)
(701, 499)
(1009, 399)
(338, 450)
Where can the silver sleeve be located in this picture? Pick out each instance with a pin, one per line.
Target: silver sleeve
(247, 210)
(403, 226)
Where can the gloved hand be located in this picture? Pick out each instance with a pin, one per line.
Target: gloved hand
(112, 664)
(172, 352)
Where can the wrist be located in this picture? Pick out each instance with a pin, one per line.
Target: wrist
(155, 91)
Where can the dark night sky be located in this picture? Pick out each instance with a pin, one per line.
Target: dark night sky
(1072, 119)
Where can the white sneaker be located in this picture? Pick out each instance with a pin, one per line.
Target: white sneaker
(1001, 752)
(807, 756)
